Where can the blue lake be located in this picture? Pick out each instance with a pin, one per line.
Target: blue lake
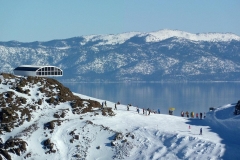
(196, 97)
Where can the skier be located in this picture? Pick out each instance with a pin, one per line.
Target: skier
(143, 110)
(158, 111)
(128, 107)
(200, 131)
(115, 107)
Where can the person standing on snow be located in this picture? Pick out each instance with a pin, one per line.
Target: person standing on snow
(200, 131)
(102, 105)
(115, 107)
(200, 115)
(192, 114)
(182, 114)
(187, 114)
(138, 110)
(159, 111)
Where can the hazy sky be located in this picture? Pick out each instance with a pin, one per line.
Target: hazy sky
(43, 20)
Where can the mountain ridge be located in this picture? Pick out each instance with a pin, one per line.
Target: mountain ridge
(159, 36)
(132, 56)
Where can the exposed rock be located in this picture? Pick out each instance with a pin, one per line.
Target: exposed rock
(113, 143)
(15, 110)
(49, 146)
(76, 137)
(13, 145)
(118, 136)
(5, 154)
(107, 111)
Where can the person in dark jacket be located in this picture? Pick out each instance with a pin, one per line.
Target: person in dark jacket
(138, 110)
(182, 114)
(200, 131)
(187, 114)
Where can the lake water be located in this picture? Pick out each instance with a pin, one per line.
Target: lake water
(196, 97)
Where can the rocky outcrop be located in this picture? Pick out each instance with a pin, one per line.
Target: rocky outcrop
(13, 145)
(18, 105)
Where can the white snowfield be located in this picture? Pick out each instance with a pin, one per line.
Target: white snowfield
(152, 137)
(160, 36)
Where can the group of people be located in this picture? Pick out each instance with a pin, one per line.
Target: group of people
(104, 104)
(145, 111)
(148, 111)
(192, 114)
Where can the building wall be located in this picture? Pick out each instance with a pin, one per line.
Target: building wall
(24, 73)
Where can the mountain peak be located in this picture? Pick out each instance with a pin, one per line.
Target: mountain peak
(212, 37)
(112, 39)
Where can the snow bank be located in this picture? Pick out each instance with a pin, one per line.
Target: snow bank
(127, 135)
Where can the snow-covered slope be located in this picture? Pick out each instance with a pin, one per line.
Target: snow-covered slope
(65, 127)
(210, 37)
(160, 36)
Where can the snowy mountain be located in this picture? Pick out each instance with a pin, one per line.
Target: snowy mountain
(165, 55)
(41, 119)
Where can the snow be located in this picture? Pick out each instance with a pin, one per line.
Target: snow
(156, 136)
(159, 36)
(165, 34)
(110, 39)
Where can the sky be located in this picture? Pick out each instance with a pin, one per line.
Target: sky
(28, 20)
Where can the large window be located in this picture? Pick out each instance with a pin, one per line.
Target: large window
(49, 71)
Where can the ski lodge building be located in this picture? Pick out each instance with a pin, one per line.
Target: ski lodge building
(39, 71)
